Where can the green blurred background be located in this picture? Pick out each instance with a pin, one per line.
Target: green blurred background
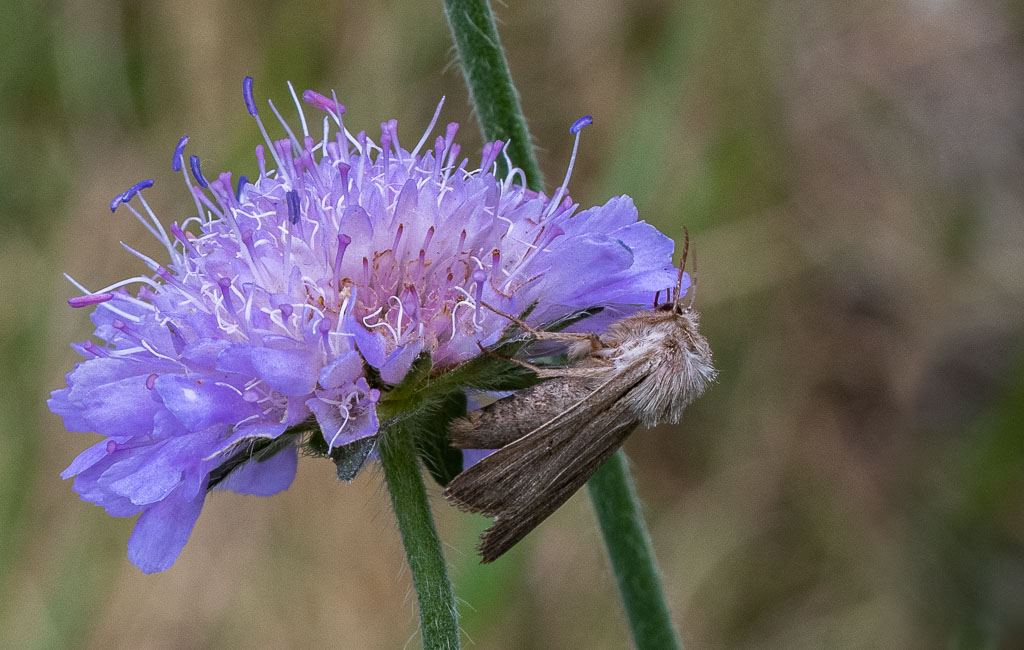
(851, 173)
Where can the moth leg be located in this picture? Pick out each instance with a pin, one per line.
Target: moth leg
(540, 335)
(525, 364)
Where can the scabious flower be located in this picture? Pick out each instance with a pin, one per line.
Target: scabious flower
(303, 293)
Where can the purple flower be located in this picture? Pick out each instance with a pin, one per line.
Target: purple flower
(281, 294)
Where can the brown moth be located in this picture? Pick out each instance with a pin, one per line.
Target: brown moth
(551, 438)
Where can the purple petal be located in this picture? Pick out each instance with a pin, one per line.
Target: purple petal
(293, 372)
(264, 478)
(198, 403)
(73, 418)
(370, 344)
(394, 369)
(162, 531)
(345, 369)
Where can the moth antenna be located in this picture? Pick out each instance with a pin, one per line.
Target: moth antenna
(657, 294)
(676, 297)
(693, 281)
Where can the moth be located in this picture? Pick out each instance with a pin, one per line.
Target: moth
(551, 438)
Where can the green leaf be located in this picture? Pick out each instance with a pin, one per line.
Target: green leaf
(433, 440)
(349, 459)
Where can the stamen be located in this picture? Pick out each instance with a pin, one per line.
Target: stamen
(490, 153)
(575, 129)
(151, 381)
(250, 103)
(288, 129)
(398, 238)
(196, 172)
(225, 291)
(298, 107)
(430, 127)
(343, 242)
(427, 239)
(479, 277)
(176, 160)
(316, 100)
(292, 198)
(93, 299)
(242, 182)
(495, 259)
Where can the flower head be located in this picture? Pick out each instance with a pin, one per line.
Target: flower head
(305, 292)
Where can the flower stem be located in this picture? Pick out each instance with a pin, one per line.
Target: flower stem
(439, 622)
(490, 84)
(629, 547)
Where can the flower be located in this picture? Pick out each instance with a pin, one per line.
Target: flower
(305, 292)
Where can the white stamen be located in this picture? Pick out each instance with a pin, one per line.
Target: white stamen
(430, 127)
(298, 107)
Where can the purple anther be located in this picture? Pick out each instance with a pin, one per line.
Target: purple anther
(197, 173)
(179, 234)
(111, 446)
(398, 238)
(343, 242)
(119, 324)
(176, 160)
(242, 182)
(286, 310)
(251, 396)
(135, 189)
(91, 299)
(428, 238)
(578, 125)
(322, 102)
(261, 160)
(450, 131)
(151, 380)
(250, 103)
(291, 197)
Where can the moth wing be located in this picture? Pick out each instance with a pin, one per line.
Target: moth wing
(507, 475)
(570, 469)
(511, 418)
(523, 483)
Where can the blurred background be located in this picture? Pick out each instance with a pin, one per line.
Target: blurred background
(851, 175)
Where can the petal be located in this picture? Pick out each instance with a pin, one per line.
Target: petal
(162, 531)
(292, 372)
(370, 344)
(345, 369)
(266, 477)
(198, 403)
(60, 405)
(394, 369)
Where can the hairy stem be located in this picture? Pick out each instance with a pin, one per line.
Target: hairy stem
(490, 83)
(629, 548)
(439, 623)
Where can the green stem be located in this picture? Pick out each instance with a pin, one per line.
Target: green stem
(439, 621)
(611, 489)
(490, 83)
(629, 547)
